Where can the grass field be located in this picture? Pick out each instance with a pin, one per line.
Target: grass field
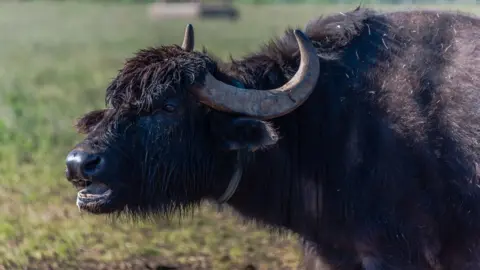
(55, 61)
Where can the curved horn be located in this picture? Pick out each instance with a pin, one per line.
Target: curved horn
(188, 38)
(266, 104)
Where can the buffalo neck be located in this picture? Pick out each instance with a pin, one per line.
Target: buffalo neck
(283, 185)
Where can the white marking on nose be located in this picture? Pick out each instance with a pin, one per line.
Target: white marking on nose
(75, 157)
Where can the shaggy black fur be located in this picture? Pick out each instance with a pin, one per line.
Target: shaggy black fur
(378, 169)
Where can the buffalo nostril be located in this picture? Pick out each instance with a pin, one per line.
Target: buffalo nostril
(91, 165)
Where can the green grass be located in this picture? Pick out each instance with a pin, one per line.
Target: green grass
(55, 62)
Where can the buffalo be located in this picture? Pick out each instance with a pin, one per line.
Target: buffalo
(361, 134)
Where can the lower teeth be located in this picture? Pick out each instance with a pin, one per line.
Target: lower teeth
(85, 194)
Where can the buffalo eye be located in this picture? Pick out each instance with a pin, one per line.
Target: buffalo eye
(168, 107)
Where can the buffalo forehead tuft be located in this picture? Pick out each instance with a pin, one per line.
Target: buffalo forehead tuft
(152, 71)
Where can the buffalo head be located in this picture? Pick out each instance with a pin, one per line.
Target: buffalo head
(172, 130)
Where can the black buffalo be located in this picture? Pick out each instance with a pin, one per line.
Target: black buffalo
(364, 138)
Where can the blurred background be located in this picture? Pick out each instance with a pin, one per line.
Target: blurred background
(56, 58)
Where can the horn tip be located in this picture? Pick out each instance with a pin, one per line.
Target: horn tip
(189, 28)
(188, 38)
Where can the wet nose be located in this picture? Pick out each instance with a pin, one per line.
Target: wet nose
(81, 164)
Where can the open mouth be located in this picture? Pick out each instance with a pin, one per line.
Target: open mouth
(94, 198)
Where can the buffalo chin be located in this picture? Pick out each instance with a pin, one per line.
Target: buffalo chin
(97, 198)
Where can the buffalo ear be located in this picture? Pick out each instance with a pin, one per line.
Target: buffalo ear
(85, 124)
(247, 133)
